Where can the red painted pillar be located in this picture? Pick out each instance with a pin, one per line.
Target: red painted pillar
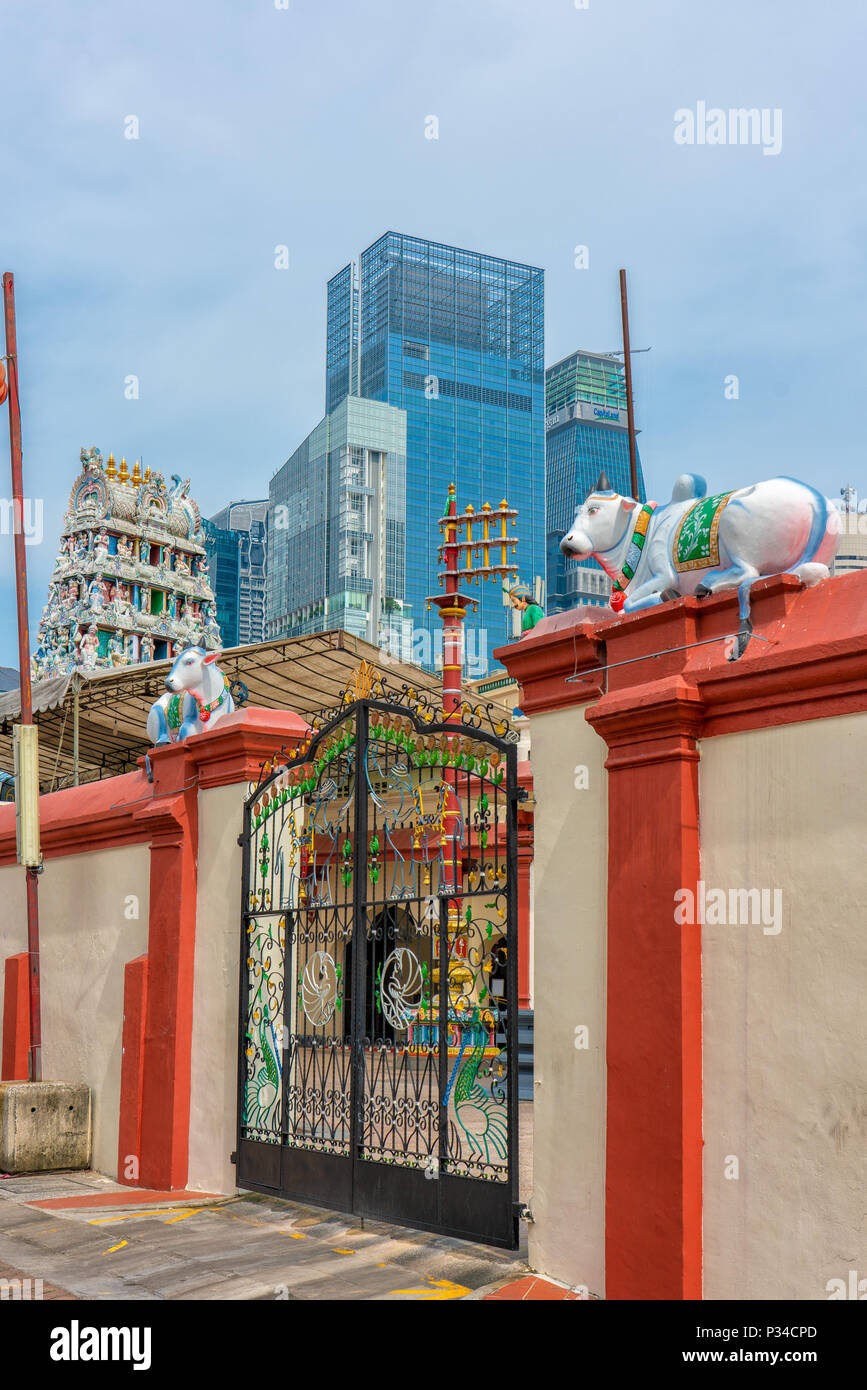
(16, 1018)
(654, 1134)
(135, 985)
(165, 1105)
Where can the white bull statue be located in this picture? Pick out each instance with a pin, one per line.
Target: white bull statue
(701, 545)
(197, 697)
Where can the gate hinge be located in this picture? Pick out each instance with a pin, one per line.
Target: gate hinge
(233, 1156)
(521, 794)
(523, 1212)
(241, 841)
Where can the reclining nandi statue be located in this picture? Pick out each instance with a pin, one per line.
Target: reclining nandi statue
(702, 545)
(197, 696)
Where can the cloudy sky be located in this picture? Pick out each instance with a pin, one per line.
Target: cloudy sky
(304, 126)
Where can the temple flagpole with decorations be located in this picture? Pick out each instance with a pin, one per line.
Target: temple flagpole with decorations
(453, 607)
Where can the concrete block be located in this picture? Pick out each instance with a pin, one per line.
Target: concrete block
(44, 1126)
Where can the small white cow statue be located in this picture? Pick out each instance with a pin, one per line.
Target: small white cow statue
(701, 545)
(197, 697)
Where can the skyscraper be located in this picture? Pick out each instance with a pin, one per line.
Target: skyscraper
(455, 339)
(338, 529)
(223, 549)
(586, 434)
(250, 520)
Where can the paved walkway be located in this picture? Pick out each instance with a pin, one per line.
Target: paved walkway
(181, 1246)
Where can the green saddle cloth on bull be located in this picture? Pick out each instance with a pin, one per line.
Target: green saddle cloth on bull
(696, 542)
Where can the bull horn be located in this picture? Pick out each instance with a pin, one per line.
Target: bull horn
(604, 485)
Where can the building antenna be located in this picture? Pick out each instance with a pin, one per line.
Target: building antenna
(627, 362)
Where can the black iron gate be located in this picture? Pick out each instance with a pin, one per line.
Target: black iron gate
(378, 1004)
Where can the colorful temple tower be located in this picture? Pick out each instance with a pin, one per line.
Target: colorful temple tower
(130, 582)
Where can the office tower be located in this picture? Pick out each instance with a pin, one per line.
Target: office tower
(223, 549)
(586, 434)
(455, 340)
(250, 520)
(337, 524)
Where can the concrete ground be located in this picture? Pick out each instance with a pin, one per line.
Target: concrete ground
(86, 1237)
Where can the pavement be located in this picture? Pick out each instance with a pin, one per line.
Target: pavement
(87, 1237)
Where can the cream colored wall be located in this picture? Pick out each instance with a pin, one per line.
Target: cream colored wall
(570, 905)
(83, 953)
(785, 1023)
(214, 1060)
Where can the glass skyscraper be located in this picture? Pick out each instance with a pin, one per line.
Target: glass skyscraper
(586, 433)
(249, 521)
(224, 563)
(337, 528)
(455, 339)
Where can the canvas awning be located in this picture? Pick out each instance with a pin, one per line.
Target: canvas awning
(304, 674)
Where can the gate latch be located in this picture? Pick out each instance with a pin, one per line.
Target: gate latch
(521, 794)
(523, 1213)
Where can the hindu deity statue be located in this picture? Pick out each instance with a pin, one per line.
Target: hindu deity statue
(89, 647)
(100, 545)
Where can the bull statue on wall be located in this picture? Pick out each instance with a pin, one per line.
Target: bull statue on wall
(197, 697)
(702, 545)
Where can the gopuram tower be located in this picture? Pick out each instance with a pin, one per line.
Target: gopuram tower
(130, 581)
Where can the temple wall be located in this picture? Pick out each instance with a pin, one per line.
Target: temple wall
(714, 1146)
(93, 918)
(567, 1234)
(785, 1052)
(214, 1053)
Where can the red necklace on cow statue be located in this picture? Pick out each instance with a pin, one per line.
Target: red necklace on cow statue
(197, 697)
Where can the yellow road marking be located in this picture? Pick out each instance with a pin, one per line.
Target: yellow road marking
(112, 1248)
(343, 1252)
(130, 1216)
(446, 1287)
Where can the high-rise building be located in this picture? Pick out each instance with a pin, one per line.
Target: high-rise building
(586, 434)
(455, 339)
(223, 549)
(337, 529)
(250, 520)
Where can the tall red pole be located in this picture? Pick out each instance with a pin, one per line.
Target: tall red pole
(627, 361)
(32, 880)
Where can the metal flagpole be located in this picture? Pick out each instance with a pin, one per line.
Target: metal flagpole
(627, 359)
(27, 765)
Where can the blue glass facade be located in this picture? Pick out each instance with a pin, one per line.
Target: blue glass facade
(586, 435)
(455, 339)
(224, 563)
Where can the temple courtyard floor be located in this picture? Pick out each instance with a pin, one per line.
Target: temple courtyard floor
(87, 1237)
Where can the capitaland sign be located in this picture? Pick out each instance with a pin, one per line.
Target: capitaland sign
(584, 410)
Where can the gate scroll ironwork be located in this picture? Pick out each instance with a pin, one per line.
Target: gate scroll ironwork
(378, 999)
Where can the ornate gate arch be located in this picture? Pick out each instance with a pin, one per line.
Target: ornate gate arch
(379, 988)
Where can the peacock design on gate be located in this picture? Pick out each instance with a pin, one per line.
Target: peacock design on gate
(481, 1117)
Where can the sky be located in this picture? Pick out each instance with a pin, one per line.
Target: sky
(302, 124)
